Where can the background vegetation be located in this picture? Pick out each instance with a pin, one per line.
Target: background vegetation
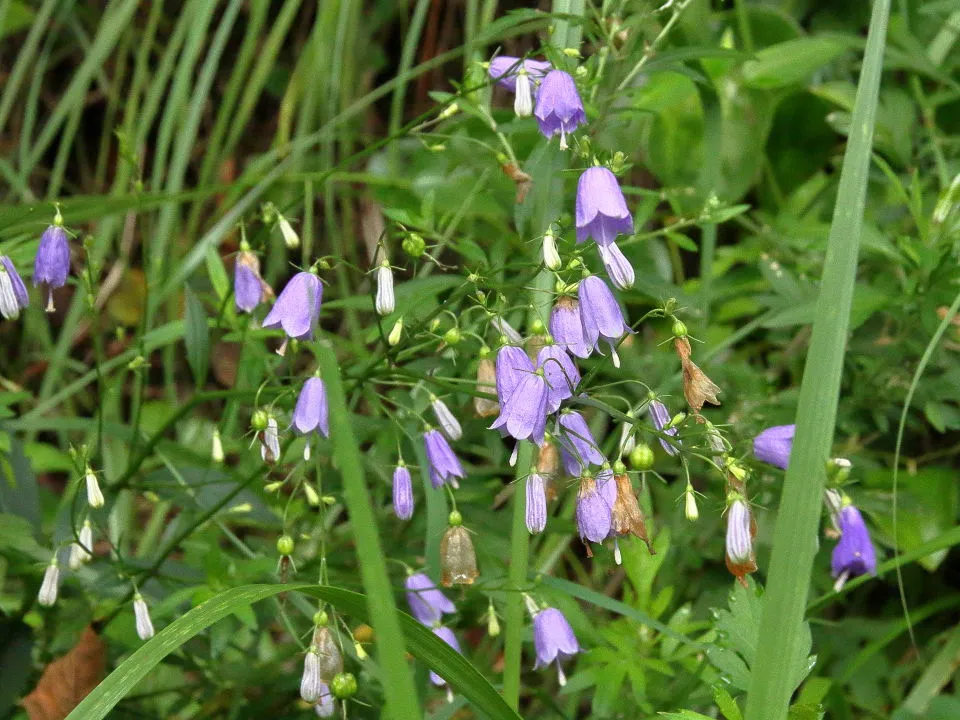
(159, 127)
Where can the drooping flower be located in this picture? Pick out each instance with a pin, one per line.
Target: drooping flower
(270, 441)
(740, 531)
(297, 309)
(427, 603)
(50, 585)
(595, 500)
(560, 373)
(524, 413)
(505, 69)
(486, 383)
(386, 301)
(578, 447)
(141, 615)
(310, 679)
(697, 387)
(600, 315)
(13, 293)
(854, 554)
(311, 413)
(52, 263)
(513, 365)
(444, 465)
(618, 267)
(627, 518)
(523, 100)
(94, 495)
(449, 423)
(567, 328)
(249, 289)
(445, 634)
(559, 108)
(602, 212)
(536, 514)
(554, 640)
(458, 559)
(660, 417)
(325, 705)
(773, 445)
(402, 492)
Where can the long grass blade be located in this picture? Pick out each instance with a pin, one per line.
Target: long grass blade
(794, 543)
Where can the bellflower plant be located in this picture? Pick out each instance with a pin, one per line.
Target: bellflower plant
(602, 212)
(618, 267)
(559, 109)
(505, 69)
(52, 263)
(578, 448)
(601, 316)
(560, 373)
(774, 444)
(445, 634)
(427, 603)
(660, 417)
(449, 423)
(297, 309)
(554, 640)
(445, 467)
(13, 293)
(536, 508)
(311, 414)
(249, 289)
(567, 328)
(524, 414)
(595, 500)
(512, 366)
(402, 492)
(854, 554)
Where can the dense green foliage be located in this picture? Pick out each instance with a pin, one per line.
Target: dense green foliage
(171, 136)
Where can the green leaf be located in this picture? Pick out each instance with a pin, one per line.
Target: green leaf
(784, 634)
(423, 644)
(18, 17)
(789, 63)
(197, 338)
(18, 486)
(728, 706)
(218, 273)
(685, 715)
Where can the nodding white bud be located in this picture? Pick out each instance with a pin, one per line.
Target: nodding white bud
(739, 536)
(313, 498)
(446, 419)
(141, 614)
(94, 496)
(216, 451)
(50, 585)
(393, 339)
(290, 236)
(523, 99)
(551, 257)
(386, 302)
(270, 441)
(310, 682)
(82, 552)
(834, 502)
(690, 505)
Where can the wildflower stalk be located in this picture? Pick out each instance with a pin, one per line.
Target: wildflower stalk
(794, 542)
(519, 552)
(401, 701)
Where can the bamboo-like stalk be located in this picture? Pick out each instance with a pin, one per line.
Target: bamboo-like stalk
(795, 537)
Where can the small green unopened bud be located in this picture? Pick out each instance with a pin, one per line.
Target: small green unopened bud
(285, 545)
(679, 329)
(493, 624)
(452, 336)
(414, 245)
(393, 339)
(358, 649)
(537, 327)
(216, 451)
(321, 619)
(571, 52)
(272, 487)
(690, 505)
(328, 500)
(344, 686)
(617, 162)
(313, 498)
(455, 518)
(619, 468)
(259, 420)
(449, 111)
(138, 362)
(641, 457)
(676, 420)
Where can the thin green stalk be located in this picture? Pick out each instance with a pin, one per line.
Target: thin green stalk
(794, 542)
(401, 698)
(410, 44)
(517, 579)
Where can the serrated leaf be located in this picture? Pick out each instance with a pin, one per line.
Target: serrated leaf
(197, 338)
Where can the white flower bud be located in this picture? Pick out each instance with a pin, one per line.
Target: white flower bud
(216, 451)
(94, 496)
(739, 537)
(690, 505)
(446, 419)
(290, 236)
(270, 441)
(395, 334)
(386, 302)
(523, 99)
(141, 615)
(81, 552)
(551, 257)
(310, 681)
(50, 585)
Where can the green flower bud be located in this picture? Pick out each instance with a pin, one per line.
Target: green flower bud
(414, 245)
(455, 518)
(452, 336)
(641, 457)
(344, 686)
(285, 545)
(259, 420)
(679, 329)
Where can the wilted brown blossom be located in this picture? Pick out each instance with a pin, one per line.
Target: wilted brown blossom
(627, 516)
(486, 383)
(458, 560)
(697, 387)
